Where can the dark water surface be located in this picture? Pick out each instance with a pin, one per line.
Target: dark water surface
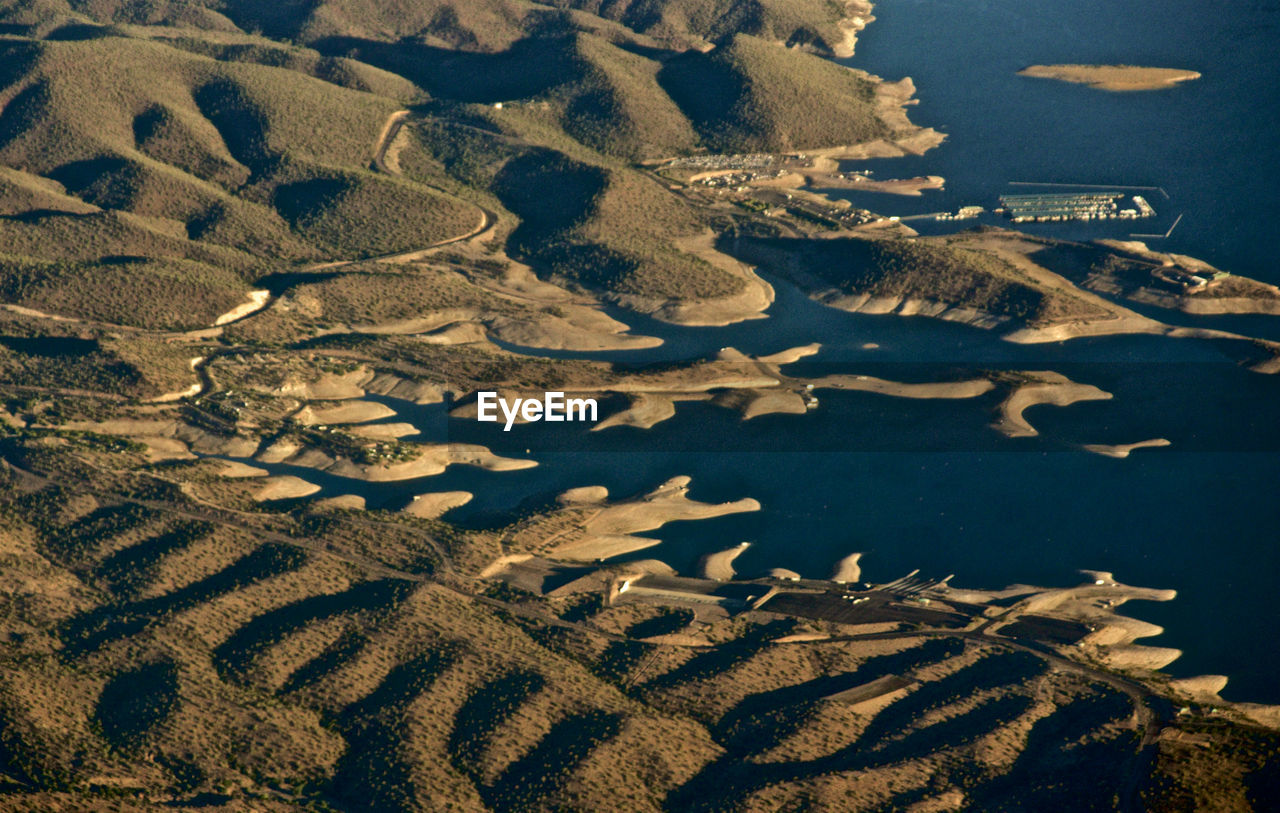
(1210, 144)
(1204, 523)
(928, 484)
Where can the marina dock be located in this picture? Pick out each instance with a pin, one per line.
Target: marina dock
(1060, 206)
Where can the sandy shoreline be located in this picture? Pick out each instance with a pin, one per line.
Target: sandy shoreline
(345, 412)
(857, 16)
(579, 329)
(178, 395)
(791, 355)
(433, 459)
(755, 387)
(646, 411)
(257, 301)
(911, 306)
(598, 530)
(755, 298)
(1095, 315)
(753, 403)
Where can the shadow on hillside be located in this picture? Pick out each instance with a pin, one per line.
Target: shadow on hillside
(133, 703)
(668, 622)
(484, 711)
(241, 124)
(91, 630)
(236, 654)
(75, 542)
(747, 727)
(528, 68)
(126, 572)
(722, 658)
(374, 774)
(724, 783)
(546, 769)
(1061, 748)
(338, 654)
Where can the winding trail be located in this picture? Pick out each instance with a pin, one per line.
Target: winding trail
(258, 300)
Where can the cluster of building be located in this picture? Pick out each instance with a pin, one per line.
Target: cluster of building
(743, 178)
(1185, 281)
(833, 216)
(810, 400)
(964, 213)
(1040, 208)
(856, 175)
(708, 163)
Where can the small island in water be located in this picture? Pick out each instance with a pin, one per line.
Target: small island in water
(1112, 77)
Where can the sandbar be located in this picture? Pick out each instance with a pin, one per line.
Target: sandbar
(719, 566)
(968, 388)
(431, 506)
(234, 469)
(753, 403)
(1200, 685)
(646, 410)
(792, 354)
(285, 487)
(847, 569)
(1123, 450)
(609, 530)
(1112, 77)
(1046, 387)
(342, 502)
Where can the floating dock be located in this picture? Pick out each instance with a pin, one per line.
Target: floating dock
(1159, 189)
(1041, 208)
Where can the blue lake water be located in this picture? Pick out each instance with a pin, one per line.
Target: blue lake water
(1203, 523)
(927, 484)
(1210, 143)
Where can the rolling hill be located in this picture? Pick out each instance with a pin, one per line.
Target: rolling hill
(219, 149)
(949, 272)
(751, 95)
(163, 652)
(218, 135)
(233, 231)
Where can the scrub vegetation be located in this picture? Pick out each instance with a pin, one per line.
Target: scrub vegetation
(245, 243)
